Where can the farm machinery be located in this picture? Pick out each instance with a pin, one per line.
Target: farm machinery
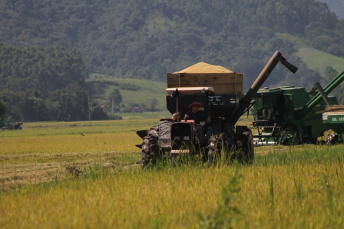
(7, 125)
(291, 115)
(219, 92)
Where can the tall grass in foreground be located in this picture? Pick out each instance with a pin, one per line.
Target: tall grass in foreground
(291, 189)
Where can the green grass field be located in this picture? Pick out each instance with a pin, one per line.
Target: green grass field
(73, 175)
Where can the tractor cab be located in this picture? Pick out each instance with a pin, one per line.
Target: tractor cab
(213, 103)
(179, 99)
(187, 133)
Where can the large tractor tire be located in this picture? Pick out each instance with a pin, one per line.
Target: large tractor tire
(150, 148)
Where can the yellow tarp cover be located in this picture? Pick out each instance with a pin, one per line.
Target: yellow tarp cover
(202, 67)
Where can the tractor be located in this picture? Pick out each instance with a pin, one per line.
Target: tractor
(219, 92)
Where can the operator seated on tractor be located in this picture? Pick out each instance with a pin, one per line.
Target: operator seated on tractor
(196, 115)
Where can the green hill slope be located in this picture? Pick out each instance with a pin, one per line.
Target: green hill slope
(144, 91)
(319, 60)
(314, 59)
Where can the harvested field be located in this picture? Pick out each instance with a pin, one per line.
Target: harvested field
(34, 168)
(51, 176)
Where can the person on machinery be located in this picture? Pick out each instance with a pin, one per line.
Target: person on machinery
(196, 115)
(268, 111)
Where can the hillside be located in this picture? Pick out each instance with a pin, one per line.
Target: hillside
(314, 59)
(141, 91)
(146, 40)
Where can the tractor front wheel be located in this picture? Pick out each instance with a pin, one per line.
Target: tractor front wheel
(150, 147)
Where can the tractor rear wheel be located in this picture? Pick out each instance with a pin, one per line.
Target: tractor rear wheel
(246, 148)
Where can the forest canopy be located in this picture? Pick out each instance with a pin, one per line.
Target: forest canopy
(43, 83)
(42, 69)
(147, 39)
(48, 48)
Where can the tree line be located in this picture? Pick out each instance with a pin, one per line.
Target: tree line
(47, 48)
(147, 39)
(44, 83)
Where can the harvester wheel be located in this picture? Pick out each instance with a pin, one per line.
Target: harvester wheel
(291, 141)
(290, 136)
(332, 139)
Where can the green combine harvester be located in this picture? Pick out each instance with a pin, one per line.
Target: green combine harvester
(5, 124)
(290, 115)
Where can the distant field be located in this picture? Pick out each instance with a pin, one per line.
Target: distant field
(318, 60)
(73, 175)
(148, 90)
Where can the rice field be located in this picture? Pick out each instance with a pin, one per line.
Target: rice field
(73, 175)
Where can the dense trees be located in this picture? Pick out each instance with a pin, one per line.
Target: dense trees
(42, 70)
(147, 39)
(2, 109)
(72, 103)
(336, 6)
(43, 84)
(39, 68)
(115, 100)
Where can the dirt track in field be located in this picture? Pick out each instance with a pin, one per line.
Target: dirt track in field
(16, 170)
(34, 168)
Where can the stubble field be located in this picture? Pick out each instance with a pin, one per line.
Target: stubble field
(73, 175)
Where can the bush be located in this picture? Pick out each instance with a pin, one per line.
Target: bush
(114, 117)
(99, 114)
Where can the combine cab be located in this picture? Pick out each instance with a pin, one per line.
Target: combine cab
(291, 115)
(219, 93)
